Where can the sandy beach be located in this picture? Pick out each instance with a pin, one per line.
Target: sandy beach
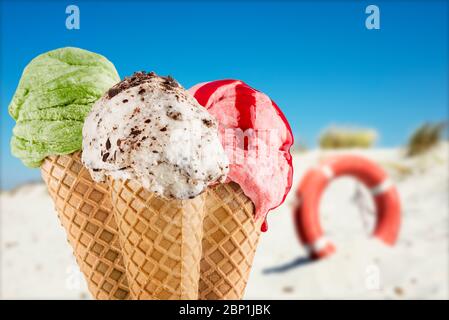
(36, 261)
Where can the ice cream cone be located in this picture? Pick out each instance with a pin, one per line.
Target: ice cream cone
(229, 243)
(161, 241)
(85, 211)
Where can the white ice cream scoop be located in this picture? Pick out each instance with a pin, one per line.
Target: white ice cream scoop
(150, 129)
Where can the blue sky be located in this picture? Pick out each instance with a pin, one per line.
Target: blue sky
(315, 59)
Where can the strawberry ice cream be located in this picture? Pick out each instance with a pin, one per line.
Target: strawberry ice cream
(256, 137)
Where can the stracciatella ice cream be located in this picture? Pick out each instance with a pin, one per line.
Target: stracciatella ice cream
(150, 129)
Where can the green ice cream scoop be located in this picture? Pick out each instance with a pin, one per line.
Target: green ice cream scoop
(55, 94)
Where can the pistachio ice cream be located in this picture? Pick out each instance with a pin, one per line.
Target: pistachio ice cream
(55, 93)
(150, 129)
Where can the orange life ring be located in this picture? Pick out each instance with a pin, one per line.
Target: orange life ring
(385, 195)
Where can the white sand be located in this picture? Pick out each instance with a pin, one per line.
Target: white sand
(36, 261)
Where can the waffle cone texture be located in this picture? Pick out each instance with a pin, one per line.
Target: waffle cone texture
(229, 243)
(161, 241)
(85, 211)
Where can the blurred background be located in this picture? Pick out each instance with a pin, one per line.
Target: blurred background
(381, 93)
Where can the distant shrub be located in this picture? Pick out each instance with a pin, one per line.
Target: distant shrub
(339, 138)
(425, 137)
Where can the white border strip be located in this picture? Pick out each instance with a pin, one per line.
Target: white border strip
(382, 187)
(327, 171)
(318, 245)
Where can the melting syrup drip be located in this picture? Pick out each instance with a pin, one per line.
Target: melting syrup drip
(264, 227)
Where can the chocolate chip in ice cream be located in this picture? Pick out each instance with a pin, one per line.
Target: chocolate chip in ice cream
(129, 82)
(105, 156)
(169, 83)
(113, 92)
(135, 132)
(207, 123)
(175, 115)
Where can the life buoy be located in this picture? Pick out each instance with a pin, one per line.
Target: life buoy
(385, 195)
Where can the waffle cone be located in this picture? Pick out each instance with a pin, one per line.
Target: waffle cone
(161, 241)
(84, 210)
(229, 243)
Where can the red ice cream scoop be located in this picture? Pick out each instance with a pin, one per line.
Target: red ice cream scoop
(256, 137)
